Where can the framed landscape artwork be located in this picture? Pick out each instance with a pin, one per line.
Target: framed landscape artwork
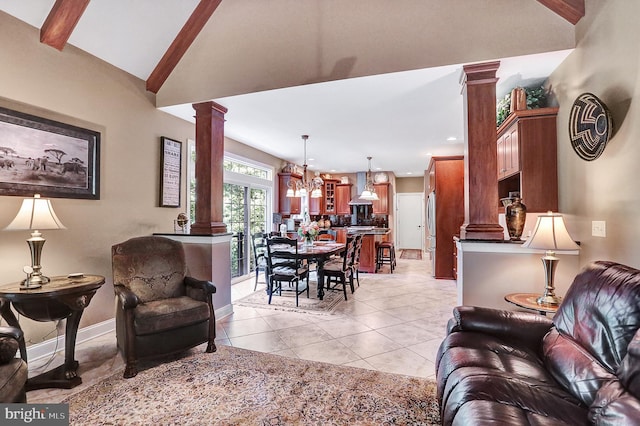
(170, 172)
(46, 157)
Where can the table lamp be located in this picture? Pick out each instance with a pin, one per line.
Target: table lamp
(35, 213)
(550, 234)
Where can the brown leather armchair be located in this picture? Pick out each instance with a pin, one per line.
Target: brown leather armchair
(519, 368)
(159, 309)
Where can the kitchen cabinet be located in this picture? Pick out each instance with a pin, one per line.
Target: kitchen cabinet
(315, 206)
(287, 205)
(446, 179)
(508, 158)
(329, 194)
(527, 158)
(381, 206)
(343, 196)
(341, 235)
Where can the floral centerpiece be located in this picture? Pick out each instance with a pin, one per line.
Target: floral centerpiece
(308, 231)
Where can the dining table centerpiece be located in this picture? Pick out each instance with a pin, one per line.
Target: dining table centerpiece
(308, 232)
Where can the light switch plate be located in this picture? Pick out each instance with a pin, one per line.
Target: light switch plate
(599, 228)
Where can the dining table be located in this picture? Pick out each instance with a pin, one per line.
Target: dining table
(319, 252)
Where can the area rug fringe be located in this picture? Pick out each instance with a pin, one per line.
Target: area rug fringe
(236, 386)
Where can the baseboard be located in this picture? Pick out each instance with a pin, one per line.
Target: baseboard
(223, 312)
(47, 348)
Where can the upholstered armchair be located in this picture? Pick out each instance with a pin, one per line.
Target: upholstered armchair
(13, 370)
(159, 309)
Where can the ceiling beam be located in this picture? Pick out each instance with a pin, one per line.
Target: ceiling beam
(179, 46)
(571, 10)
(61, 21)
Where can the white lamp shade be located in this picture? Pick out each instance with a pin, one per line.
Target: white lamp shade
(551, 234)
(35, 213)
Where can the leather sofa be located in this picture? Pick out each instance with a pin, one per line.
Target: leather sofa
(13, 371)
(498, 367)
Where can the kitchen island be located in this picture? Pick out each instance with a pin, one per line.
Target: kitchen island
(370, 235)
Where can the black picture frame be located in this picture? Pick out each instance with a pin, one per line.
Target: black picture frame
(47, 157)
(170, 172)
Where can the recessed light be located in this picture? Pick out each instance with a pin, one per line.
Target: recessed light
(452, 139)
(409, 173)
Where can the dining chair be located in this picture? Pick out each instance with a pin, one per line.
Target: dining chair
(259, 240)
(285, 265)
(356, 257)
(327, 235)
(340, 270)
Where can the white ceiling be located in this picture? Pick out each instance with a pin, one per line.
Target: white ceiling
(400, 118)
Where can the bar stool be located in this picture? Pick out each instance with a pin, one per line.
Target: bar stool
(385, 253)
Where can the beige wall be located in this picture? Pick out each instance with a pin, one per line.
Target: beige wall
(73, 87)
(605, 63)
(409, 184)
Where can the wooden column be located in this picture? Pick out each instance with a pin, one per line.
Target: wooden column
(209, 170)
(480, 163)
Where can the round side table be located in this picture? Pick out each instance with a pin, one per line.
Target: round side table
(529, 301)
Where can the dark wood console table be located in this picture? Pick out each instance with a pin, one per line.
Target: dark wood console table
(61, 298)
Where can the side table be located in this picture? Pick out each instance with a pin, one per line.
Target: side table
(63, 297)
(529, 301)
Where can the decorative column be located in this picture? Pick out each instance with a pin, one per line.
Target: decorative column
(209, 170)
(481, 161)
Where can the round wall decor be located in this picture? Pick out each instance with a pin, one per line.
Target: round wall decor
(590, 126)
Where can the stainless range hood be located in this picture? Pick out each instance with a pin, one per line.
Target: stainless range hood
(361, 178)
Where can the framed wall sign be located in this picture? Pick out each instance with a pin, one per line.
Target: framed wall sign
(47, 157)
(170, 172)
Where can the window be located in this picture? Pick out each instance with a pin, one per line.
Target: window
(247, 204)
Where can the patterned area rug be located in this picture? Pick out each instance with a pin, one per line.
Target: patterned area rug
(237, 386)
(287, 302)
(411, 254)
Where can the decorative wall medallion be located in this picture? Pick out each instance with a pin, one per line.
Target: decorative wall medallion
(590, 126)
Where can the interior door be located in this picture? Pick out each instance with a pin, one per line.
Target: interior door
(410, 220)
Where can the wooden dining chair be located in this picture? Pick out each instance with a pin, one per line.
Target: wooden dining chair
(356, 257)
(259, 243)
(285, 266)
(340, 270)
(327, 235)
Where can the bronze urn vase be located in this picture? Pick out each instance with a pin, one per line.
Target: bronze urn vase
(515, 216)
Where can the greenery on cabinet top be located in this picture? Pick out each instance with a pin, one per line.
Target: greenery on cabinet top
(536, 98)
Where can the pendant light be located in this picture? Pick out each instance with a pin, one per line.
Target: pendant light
(369, 193)
(302, 188)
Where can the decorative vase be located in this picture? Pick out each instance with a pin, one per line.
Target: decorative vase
(515, 216)
(308, 241)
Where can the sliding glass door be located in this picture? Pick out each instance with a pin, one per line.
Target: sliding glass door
(245, 213)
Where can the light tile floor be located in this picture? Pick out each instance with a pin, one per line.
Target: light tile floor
(392, 323)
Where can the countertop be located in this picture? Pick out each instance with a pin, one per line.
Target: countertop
(367, 230)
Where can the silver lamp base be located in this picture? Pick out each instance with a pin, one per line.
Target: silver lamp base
(550, 262)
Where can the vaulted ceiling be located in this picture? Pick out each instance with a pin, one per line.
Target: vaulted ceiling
(364, 77)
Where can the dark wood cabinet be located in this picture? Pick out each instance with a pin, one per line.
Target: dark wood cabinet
(528, 160)
(343, 196)
(315, 206)
(446, 178)
(329, 196)
(381, 206)
(287, 205)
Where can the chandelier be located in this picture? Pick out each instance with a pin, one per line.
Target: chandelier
(369, 193)
(300, 188)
